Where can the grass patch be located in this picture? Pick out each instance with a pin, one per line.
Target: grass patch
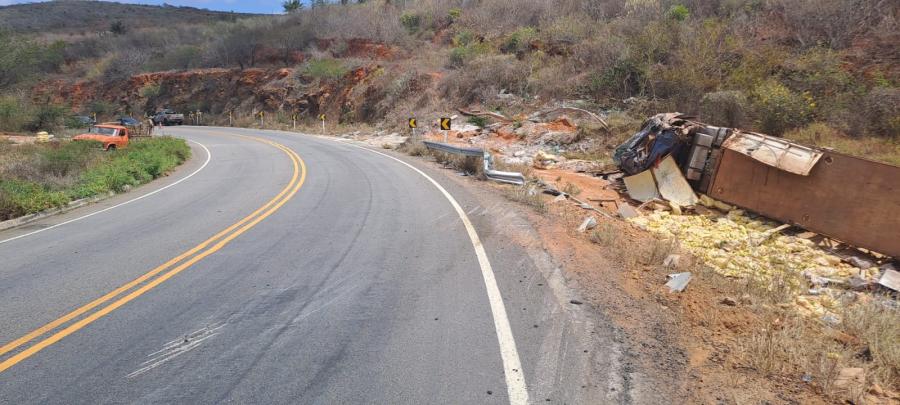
(38, 177)
(325, 69)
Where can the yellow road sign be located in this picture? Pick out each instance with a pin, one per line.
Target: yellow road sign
(322, 117)
(445, 124)
(412, 123)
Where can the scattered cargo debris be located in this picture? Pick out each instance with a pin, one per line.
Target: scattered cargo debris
(672, 184)
(642, 186)
(890, 279)
(678, 281)
(588, 224)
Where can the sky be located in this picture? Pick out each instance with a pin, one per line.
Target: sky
(244, 6)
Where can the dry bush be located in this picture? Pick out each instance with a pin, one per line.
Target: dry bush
(526, 170)
(484, 77)
(376, 21)
(495, 17)
(877, 324)
(654, 252)
(821, 134)
(529, 196)
(725, 108)
(831, 22)
(796, 345)
(879, 113)
(604, 235)
(467, 164)
(571, 189)
(413, 147)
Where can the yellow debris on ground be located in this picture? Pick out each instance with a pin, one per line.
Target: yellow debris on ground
(734, 245)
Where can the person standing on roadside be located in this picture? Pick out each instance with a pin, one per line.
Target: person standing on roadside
(149, 126)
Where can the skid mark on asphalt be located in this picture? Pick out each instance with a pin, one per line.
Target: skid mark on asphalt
(176, 348)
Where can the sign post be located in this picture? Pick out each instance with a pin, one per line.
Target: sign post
(446, 124)
(199, 116)
(413, 125)
(294, 121)
(262, 120)
(322, 117)
(230, 118)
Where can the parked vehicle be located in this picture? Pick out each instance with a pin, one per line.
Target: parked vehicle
(84, 120)
(168, 117)
(135, 126)
(111, 136)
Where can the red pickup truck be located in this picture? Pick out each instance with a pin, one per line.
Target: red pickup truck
(111, 136)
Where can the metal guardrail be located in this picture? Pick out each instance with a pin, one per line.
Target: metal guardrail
(456, 150)
(489, 172)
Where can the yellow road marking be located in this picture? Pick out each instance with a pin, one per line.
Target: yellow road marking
(291, 189)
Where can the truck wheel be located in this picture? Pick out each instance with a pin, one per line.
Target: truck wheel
(111, 148)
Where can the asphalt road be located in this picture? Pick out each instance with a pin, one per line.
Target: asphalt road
(344, 277)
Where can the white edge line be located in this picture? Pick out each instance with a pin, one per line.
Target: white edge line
(512, 367)
(208, 157)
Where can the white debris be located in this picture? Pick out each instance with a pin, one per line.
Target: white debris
(588, 224)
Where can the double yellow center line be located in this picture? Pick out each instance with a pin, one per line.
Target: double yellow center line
(154, 277)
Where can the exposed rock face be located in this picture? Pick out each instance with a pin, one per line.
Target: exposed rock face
(216, 91)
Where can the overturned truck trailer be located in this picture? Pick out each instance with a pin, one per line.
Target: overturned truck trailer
(844, 197)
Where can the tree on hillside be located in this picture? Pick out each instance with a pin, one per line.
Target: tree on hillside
(239, 46)
(118, 28)
(291, 6)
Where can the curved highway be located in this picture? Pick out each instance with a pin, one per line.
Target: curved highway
(280, 268)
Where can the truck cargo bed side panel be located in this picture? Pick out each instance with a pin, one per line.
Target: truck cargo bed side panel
(844, 197)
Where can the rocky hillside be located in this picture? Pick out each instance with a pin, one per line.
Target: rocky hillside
(84, 17)
(780, 67)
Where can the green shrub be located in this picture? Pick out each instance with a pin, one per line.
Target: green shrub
(464, 38)
(519, 40)
(101, 108)
(67, 158)
(22, 59)
(480, 122)
(325, 69)
(19, 198)
(12, 114)
(454, 14)
(779, 109)
(44, 117)
(412, 22)
(678, 12)
(150, 90)
(461, 55)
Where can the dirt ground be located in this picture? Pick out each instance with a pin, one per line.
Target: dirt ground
(695, 339)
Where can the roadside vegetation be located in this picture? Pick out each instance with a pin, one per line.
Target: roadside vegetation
(781, 67)
(41, 176)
